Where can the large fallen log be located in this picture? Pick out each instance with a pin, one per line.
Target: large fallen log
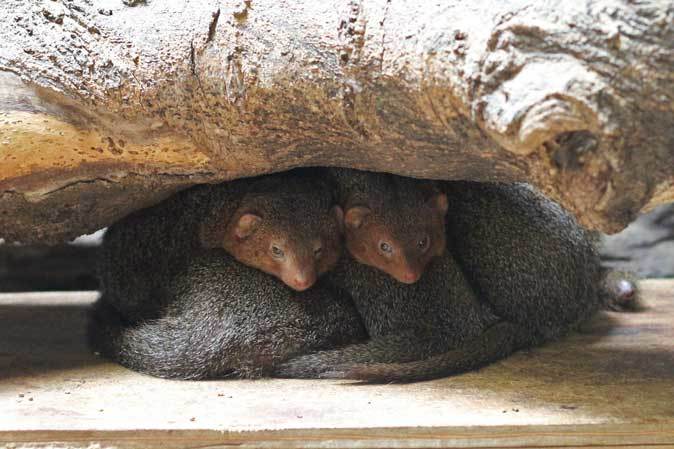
(104, 110)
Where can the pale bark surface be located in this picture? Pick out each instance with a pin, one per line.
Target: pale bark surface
(106, 108)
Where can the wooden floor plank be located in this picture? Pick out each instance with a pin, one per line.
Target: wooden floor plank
(612, 385)
(644, 436)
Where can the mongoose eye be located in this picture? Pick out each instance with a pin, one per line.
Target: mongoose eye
(318, 252)
(276, 252)
(423, 243)
(385, 247)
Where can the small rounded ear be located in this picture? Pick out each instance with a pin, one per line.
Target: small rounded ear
(246, 225)
(355, 216)
(440, 202)
(338, 213)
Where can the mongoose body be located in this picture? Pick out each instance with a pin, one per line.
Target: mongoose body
(528, 270)
(524, 255)
(405, 322)
(410, 320)
(145, 250)
(226, 319)
(216, 316)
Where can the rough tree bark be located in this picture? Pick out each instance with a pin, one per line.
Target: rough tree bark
(109, 106)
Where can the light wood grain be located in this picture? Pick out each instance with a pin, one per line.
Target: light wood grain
(612, 384)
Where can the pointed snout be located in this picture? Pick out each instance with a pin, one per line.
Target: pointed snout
(300, 279)
(408, 274)
(301, 283)
(408, 277)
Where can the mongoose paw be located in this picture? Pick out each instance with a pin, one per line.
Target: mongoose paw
(622, 292)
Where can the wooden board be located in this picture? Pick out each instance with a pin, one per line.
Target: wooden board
(612, 384)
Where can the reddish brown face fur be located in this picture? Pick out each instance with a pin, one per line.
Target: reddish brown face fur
(295, 252)
(400, 242)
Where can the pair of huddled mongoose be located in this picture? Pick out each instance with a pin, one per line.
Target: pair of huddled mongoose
(519, 271)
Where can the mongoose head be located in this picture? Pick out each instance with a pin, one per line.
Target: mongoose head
(396, 225)
(287, 227)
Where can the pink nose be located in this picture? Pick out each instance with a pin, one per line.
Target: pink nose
(409, 277)
(302, 282)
